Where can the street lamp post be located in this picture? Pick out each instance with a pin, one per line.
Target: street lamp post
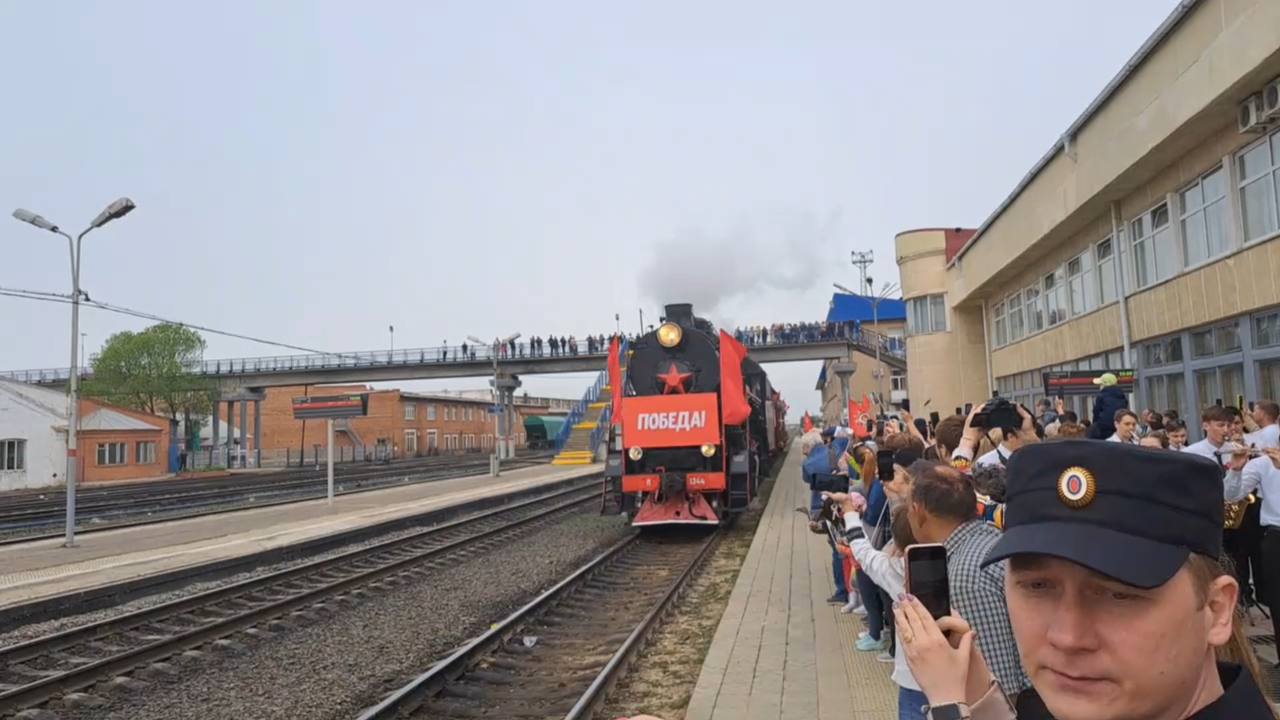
(392, 329)
(117, 209)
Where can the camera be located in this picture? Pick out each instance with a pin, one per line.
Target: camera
(999, 413)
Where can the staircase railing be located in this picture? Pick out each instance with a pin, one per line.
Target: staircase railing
(606, 416)
(579, 409)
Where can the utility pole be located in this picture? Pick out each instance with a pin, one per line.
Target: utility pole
(862, 260)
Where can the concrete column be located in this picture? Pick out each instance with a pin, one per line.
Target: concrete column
(257, 432)
(214, 448)
(244, 432)
(231, 433)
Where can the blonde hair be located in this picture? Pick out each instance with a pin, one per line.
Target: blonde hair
(809, 441)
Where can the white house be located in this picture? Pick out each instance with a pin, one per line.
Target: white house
(32, 436)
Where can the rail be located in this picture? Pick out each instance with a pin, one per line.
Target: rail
(447, 355)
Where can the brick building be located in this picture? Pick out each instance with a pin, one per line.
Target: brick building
(114, 444)
(407, 424)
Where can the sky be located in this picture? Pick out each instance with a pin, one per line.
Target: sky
(313, 175)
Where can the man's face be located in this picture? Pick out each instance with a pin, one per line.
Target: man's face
(1126, 426)
(1097, 649)
(1216, 431)
(1178, 438)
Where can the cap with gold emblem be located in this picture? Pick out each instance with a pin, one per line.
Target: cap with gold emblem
(1129, 512)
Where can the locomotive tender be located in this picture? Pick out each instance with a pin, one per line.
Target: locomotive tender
(696, 425)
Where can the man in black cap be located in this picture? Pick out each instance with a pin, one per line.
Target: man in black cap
(1115, 594)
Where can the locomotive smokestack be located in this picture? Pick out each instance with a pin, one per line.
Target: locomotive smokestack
(679, 313)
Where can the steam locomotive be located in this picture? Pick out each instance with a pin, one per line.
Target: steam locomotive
(696, 425)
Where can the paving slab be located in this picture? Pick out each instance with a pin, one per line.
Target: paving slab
(780, 652)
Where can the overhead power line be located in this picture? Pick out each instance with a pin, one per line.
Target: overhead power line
(120, 309)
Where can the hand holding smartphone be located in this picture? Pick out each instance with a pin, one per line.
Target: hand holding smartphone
(927, 577)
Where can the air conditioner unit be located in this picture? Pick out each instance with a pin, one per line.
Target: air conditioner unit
(1271, 101)
(1249, 115)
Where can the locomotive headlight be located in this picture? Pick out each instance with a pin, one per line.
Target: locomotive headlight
(635, 453)
(669, 335)
(708, 450)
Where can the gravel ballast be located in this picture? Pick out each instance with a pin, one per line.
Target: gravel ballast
(351, 656)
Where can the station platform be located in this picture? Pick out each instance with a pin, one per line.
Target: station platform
(780, 652)
(42, 569)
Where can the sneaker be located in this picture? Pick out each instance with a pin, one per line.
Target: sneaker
(851, 607)
(884, 657)
(837, 599)
(869, 644)
(860, 611)
(863, 634)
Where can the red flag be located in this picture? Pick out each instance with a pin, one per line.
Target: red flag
(806, 422)
(734, 407)
(615, 378)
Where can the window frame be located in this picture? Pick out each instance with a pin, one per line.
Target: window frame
(999, 325)
(1149, 239)
(410, 411)
(106, 456)
(1010, 309)
(145, 452)
(19, 446)
(1241, 182)
(1109, 263)
(1033, 308)
(431, 412)
(1088, 299)
(1185, 214)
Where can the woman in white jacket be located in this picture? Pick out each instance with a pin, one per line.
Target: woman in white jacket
(887, 568)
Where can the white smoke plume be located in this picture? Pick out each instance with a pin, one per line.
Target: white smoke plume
(782, 253)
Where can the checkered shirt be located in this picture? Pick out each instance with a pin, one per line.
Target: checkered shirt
(977, 593)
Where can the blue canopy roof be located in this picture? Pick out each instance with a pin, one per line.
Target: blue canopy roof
(845, 307)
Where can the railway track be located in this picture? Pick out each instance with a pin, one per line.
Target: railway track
(559, 655)
(25, 519)
(151, 640)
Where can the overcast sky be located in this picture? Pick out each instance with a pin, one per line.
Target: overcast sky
(311, 173)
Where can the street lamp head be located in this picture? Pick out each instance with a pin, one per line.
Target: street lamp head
(475, 340)
(114, 211)
(512, 338)
(27, 216)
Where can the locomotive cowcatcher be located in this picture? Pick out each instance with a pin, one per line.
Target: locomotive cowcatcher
(695, 425)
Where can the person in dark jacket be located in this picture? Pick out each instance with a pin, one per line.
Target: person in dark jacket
(1109, 399)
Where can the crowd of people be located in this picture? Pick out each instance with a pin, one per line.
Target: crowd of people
(1095, 570)
(792, 333)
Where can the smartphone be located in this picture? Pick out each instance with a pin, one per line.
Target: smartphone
(934, 418)
(1240, 402)
(958, 411)
(906, 404)
(879, 428)
(927, 577)
(884, 465)
(1250, 406)
(1218, 402)
(968, 408)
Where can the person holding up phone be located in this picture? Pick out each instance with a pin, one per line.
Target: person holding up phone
(1121, 608)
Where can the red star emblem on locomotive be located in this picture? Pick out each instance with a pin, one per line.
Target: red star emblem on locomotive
(673, 380)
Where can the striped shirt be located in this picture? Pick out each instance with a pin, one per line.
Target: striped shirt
(977, 593)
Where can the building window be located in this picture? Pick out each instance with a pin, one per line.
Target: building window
(1219, 340)
(1155, 258)
(898, 380)
(1080, 292)
(1164, 392)
(1268, 379)
(111, 454)
(410, 411)
(926, 314)
(471, 414)
(1001, 325)
(13, 455)
(144, 453)
(1221, 383)
(1162, 352)
(1257, 170)
(1266, 332)
(1055, 297)
(1035, 313)
(1105, 254)
(1204, 218)
(1017, 327)
(431, 412)
(411, 442)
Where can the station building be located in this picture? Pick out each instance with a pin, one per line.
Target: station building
(114, 443)
(1146, 238)
(886, 318)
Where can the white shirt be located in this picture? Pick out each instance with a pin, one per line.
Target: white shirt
(1115, 437)
(1263, 438)
(1206, 449)
(889, 573)
(1257, 473)
(993, 457)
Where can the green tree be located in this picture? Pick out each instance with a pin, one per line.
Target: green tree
(148, 371)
